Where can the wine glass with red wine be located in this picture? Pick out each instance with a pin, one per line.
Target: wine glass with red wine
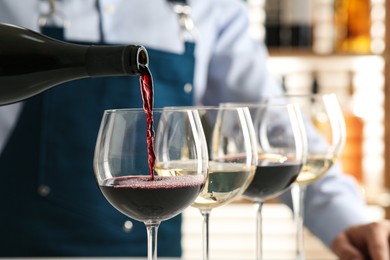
(148, 172)
(281, 145)
(232, 160)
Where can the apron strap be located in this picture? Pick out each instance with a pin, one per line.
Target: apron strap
(53, 18)
(98, 8)
(53, 22)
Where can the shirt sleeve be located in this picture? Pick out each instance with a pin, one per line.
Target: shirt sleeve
(238, 73)
(8, 119)
(238, 69)
(332, 204)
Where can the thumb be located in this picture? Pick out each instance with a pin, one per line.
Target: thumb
(344, 249)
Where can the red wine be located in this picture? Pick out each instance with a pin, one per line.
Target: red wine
(271, 179)
(146, 85)
(142, 199)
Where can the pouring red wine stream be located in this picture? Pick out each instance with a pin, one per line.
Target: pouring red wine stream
(146, 84)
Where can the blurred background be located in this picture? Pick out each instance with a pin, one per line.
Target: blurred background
(336, 46)
(317, 46)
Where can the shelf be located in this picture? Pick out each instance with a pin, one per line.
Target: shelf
(296, 61)
(296, 52)
(333, 74)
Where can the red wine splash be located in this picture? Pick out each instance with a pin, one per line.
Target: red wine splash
(146, 84)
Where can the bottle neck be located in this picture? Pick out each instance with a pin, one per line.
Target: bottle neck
(115, 60)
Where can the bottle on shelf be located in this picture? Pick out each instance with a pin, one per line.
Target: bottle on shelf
(272, 23)
(288, 23)
(352, 155)
(353, 25)
(31, 63)
(296, 23)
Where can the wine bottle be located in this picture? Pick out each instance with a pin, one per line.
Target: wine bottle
(353, 24)
(31, 63)
(352, 155)
(272, 23)
(296, 23)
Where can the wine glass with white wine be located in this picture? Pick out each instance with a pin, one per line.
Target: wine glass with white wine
(232, 159)
(325, 128)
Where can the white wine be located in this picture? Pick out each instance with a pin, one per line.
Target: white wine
(176, 168)
(314, 168)
(225, 182)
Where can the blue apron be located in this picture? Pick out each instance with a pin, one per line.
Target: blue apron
(51, 204)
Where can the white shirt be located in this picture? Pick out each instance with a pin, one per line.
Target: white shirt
(230, 66)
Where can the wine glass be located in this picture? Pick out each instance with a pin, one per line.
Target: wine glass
(325, 128)
(151, 180)
(233, 155)
(281, 142)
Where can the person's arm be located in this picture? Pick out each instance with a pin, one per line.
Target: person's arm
(238, 69)
(8, 119)
(335, 210)
(333, 204)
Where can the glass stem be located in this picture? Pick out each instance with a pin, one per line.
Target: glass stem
(298, 198)
(205, 233)
(152, 229)
(259, 231)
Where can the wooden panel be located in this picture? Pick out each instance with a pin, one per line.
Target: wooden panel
(387, 106)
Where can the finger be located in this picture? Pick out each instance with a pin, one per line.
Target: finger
(377, 241)
(344, 249)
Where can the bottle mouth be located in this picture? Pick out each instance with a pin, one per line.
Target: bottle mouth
(142, 56)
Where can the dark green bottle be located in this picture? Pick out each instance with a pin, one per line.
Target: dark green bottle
(31, 63)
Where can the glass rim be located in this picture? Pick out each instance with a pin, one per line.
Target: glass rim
(115, 110)
(171, 108)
